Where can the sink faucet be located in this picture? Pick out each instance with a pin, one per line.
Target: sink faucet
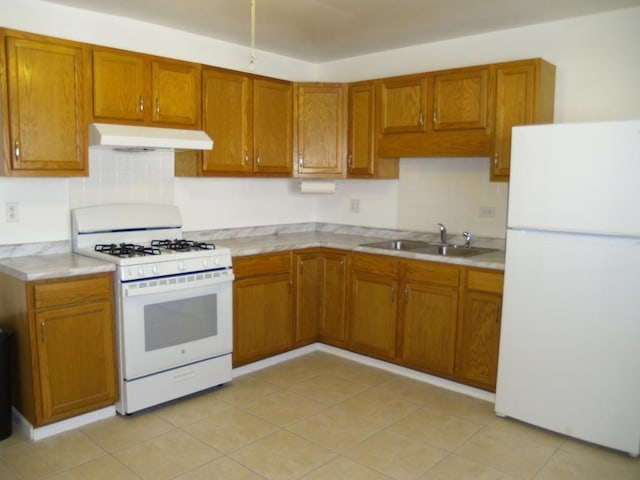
(443, 233)
(467, 238)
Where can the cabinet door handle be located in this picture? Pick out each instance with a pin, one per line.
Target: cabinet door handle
(43, 330)
(393, 294)
(435, 117)
(246, 157)
(301, 267)
(16, 150)
(350, 160)
(141, 104)
(300, 162)
(421, 118)
(258, 158)
(157, 106)
(496, 159)
(406, 296)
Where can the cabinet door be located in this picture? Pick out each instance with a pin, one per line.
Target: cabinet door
(77, 360)
(480, 339)
(308, 298)
(272, 126)
(120, 80)
(460, 100)
(227, 120)
(429, 332)
(373, 315)
(403, 103)
(333, 324)
(175, 90)
(524, 95)
(361, 139)
(320, 130)
(47, 132)
(262, 311)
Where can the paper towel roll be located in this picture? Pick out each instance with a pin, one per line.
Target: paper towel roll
(316, 186)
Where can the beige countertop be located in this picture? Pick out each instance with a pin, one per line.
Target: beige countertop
(241, 246)
(57, 265)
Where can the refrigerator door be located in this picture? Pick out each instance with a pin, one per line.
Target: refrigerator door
(570, 338)
(576, 178)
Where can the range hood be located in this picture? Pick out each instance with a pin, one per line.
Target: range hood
(132, 138)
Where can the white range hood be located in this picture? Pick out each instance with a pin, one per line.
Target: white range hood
(131, 137)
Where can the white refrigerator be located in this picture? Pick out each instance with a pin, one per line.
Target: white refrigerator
(570, 338)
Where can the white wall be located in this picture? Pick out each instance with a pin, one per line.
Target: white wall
(598, 69)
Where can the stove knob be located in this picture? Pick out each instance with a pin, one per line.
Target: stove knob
(155, 269)
(205, 263)
(181, 266)
(216, 261)
(141, 271)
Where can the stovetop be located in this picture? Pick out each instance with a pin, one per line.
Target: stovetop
(156, 247)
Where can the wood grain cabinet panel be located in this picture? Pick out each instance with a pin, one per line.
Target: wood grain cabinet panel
(403, 104)
(320, 130)
(44, 96)
(140, 89)
(460, 100)
(479, 332)
(362, 157)
(525, 92)
(308, 296)
(65, 350)
(333, 294)
(262, 307)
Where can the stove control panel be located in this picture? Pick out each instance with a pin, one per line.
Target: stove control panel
(220, 260)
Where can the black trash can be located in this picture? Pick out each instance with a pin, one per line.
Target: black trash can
(6, 338)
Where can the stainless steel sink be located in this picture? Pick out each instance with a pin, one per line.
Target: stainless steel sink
(430, 248)
(453, 250)
(399, 244)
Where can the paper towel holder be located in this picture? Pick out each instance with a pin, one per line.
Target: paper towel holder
(317, 186)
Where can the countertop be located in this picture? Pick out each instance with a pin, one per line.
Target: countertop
(58, 265)
(241, 246)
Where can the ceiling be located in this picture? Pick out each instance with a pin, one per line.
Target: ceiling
(323, 30)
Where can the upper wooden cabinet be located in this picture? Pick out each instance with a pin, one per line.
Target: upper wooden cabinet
(461, 100)
(319, 143)
(402, 103)
(141, 89)
(362, 158)
(525, 93)
(251, 123)
(42, 81)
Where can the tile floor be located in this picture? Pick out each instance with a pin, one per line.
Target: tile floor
(315, 417)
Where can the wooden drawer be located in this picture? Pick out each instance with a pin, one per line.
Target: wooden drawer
(432, 272)
(378, 264)
(262, 264)
(485, 280)
(69, 292)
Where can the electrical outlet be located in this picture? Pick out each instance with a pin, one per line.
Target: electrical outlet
(487, 212)
(354, 206)
(12, 212)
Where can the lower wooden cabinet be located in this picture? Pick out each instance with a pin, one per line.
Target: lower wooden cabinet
(373, 312)
(429, 317)
(262, 307)
(65, 353)
(439, 318)
(479, 332)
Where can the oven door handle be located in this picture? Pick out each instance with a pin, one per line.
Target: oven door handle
(150, 287)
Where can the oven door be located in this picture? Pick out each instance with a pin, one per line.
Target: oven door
(168, 322)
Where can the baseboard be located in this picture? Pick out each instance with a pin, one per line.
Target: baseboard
(38, 433)
(372, 362)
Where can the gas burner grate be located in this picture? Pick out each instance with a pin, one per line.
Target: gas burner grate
(182, 245)
(126, 250)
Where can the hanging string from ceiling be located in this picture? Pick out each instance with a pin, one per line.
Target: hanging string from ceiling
(252, 56)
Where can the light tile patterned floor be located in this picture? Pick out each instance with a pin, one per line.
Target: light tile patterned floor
(317, 417)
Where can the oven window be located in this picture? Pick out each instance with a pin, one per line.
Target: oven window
(180, 321)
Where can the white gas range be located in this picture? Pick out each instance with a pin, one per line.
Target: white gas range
(173, 301)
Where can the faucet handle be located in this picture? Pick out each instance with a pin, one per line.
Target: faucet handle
(467, 238)
(443, 233)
